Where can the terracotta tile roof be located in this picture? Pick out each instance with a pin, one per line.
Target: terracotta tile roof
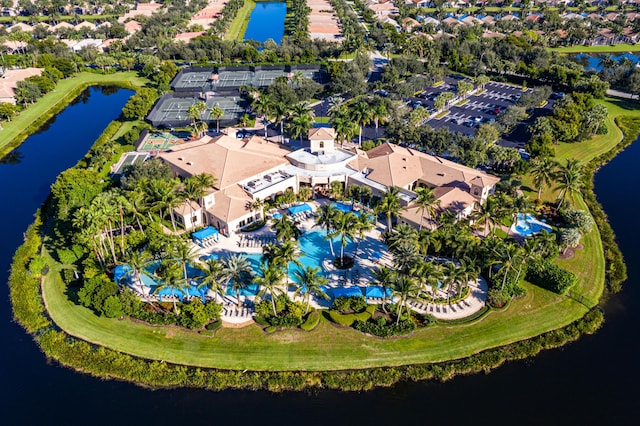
(321, 133)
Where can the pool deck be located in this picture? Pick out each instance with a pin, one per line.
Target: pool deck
(360, 275)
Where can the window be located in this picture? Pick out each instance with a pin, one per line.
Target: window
(321, 144)
(194, 219)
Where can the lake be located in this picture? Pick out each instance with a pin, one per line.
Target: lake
(593, 61)
(266, 22)
(594, 380)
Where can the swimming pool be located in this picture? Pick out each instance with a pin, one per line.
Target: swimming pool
(527, 225)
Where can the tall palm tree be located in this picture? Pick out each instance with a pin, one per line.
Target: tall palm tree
(288, 253)
(286, 228)
(269, 279)
(192, 190)
(345, 128)
(508, 255)
(344, 226)
(325, 220)
(543, 171)
(170, 277)
(390, 204)
(204, 180)
(362, 115)
(263, 106)
(364, 224)
(183, 255)
(302, 118)
(237, 271)
(216, 113)
(137, 261)
(310, 281)
(569, 178)
(427, 202)
(385, 277)
(137, 207)
(258, 205)
(405, 256)
(485, 214)
(379, 115)
(280, 112)
(212, 276)
(405, 287)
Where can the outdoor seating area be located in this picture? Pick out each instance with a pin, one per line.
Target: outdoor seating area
(255, 241)
(206, 237)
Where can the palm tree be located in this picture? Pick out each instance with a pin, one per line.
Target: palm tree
(485, 214)
(286, 228)
(237, 271)
(212, 274)
(379, 115)
(427, 202)
(406, 288)
(280, 112)
(361, 114)
(345, 128)
(137, 261)
(204, 180)
(454, 276)
(137, 207)
(405, 256)
(302, 118)
(508, 257)
(569, 180)
(325, 220)
(364, 224)
(192, 190)
(258, 205)
(543, 171)
(344, 226)
(263, 106)
(390, 204)
(269, 279)
(288, 253)
(171, 278)
(216, 113)
(310, 281)
(385, 277)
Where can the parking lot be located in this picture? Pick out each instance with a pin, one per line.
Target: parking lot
(478, 109)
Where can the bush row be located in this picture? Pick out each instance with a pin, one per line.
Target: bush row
(380, 327)
(347, 320)
(547, 274)
(312, 321)
(105, 363)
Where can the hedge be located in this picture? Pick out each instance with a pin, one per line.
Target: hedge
(548, 275)
(312, 321)
(348, 319)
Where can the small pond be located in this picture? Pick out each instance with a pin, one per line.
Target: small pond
(266, 22)
(594, 61)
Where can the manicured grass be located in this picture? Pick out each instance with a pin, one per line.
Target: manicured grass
(325, 348)
(462, 102)
(49, 102)
(616, 48)
(239, 24)
(323, 120)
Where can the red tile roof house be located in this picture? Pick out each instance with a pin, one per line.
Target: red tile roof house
(9, 82)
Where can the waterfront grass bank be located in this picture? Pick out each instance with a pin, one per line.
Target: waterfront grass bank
(30, 119)
(239, 24)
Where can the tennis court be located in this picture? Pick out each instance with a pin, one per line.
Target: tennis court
(174, 109)
(265, 78)
(234, 107)
(194, 80)
(234, 78)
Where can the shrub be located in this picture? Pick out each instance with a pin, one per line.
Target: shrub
(348, 319)
(213, 325)
(312, 321)
(112, 307)
(380, 327)
(349, 304)
(37, 265)
(550, 276)
(270, 329)
(579, 219)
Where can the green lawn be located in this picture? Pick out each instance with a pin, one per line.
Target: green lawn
(327, 347)
(617, 48)
(16, 127)
(239, 24)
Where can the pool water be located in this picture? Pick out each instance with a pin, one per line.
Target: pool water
(528, 225)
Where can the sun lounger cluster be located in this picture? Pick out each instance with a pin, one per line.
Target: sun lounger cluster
(255, 240)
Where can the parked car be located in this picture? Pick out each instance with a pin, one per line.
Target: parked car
(495, 111)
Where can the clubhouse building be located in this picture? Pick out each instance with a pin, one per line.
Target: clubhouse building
(252, 168)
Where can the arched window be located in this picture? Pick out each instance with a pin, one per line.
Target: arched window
(321, 144)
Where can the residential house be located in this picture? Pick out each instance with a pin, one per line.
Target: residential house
(10, 79)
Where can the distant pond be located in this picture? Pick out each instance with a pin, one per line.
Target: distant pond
(593, 61)
(267, 22)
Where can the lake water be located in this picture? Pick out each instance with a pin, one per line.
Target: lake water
(593, 62)
(592, 381)
(266, 22)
